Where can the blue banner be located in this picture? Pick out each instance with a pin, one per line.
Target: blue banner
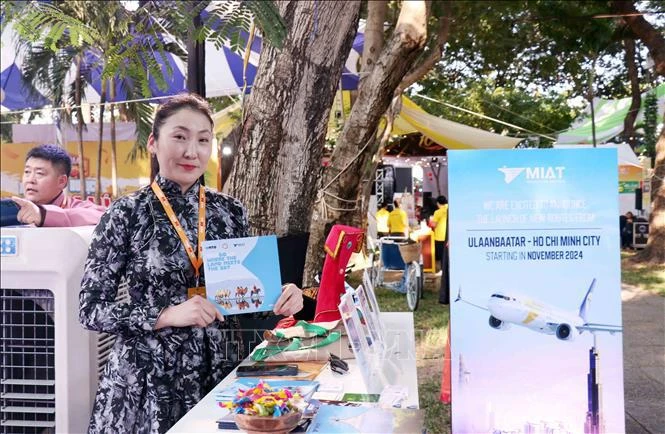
(536, 336)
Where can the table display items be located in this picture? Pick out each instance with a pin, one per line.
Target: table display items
(361, 419)
(306, 341)
(266, 409)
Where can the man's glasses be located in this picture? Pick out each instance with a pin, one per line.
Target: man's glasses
(338, 365)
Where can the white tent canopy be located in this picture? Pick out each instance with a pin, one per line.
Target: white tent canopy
(608, 119)
(625, 153)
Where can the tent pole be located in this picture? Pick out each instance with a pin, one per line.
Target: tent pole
(593, 113)
(220, 161)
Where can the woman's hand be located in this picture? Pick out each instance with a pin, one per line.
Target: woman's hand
(290, 301)
(195, 312)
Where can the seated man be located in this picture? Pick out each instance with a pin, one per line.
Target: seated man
(45, 176)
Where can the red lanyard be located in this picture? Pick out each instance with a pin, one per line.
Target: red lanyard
(196, 262)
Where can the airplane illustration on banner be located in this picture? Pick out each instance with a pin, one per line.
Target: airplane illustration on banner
(506, 309)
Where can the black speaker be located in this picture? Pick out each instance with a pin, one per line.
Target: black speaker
(403, 180)
(428, 205)
(638, 199)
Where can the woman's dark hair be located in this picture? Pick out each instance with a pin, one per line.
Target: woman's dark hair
(189, 101)
(441, 200)
(58, 157)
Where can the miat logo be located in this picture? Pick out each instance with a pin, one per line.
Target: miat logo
(533, 174)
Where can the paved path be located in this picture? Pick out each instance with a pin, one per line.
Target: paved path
(644, 360)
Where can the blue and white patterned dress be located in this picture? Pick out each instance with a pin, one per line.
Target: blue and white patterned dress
(153, 377)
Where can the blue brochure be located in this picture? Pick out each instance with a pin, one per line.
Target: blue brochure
(242, 274)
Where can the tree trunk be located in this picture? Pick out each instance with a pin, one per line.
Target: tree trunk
(373, 44)
(655, 250)
(114, 155)
(278, 161)
(629, 121)
(372, 47)
(79, 126)
(357, 144)
(651, 37)
(416, 73)
(98, 187)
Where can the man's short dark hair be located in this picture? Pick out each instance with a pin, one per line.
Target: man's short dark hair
(441, 200)
(55, 154)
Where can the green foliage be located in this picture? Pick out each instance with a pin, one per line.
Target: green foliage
(225, 24)
(541, 113)
(142, 113)
(220, 103)
(269, 21)
(650, 124)
(127, 46)
(524, 44)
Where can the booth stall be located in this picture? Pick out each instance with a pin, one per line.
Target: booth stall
(399, 368)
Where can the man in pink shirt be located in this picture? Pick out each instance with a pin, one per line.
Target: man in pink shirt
(45, 176)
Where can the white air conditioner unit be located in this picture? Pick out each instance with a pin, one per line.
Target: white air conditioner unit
(50, 365)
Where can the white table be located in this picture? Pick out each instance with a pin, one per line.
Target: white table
(399, 369)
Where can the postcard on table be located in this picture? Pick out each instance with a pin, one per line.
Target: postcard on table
(242, 274)
(335, 419)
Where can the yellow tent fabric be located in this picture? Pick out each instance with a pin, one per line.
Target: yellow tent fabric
(411, 119)
(226, 119)
(446, 133)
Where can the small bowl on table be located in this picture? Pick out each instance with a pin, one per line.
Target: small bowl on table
(268, 424)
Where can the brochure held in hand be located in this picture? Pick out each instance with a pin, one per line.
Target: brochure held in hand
(242, 274)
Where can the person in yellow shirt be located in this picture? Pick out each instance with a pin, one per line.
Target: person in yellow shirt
(382, 214)
(398, 221)
(439, 222)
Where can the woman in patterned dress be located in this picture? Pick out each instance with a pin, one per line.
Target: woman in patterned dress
(171, 349)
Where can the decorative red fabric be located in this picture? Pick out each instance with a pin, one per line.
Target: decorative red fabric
(446, 395)
(286, 322)
(342, 241)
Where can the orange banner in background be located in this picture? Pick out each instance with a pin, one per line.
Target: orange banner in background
(130, 176)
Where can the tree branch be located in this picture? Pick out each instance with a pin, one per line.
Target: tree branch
(441, 38)
(651, 37)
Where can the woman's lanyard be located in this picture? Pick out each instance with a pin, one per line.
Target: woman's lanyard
(196, 262)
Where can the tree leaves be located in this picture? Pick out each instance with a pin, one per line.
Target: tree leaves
(269, 21)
